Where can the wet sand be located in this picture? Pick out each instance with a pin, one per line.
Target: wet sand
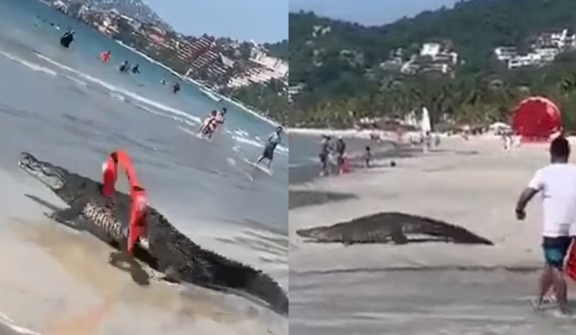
(311, 198)
(58, 281)
(305, 166)
(425, 288)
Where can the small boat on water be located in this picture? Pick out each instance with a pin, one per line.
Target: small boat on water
(210, 94)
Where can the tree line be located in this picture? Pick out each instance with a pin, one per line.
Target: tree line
(339, 68)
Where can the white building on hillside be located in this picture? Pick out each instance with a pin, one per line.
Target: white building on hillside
(430, 49)
(547, 54)
(504, 54)
(560, 39)
(530, 59)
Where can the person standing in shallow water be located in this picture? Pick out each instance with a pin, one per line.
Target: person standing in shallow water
(340, 151)
(367, 157)
(273, 140)
(557, 185)
(323, 155)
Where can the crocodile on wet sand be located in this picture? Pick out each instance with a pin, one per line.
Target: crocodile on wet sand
(164, 248)
(390, 227)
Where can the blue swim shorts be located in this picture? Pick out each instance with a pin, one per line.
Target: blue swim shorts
(555, 250)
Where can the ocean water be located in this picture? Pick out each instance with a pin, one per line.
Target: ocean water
(67, 107)
(304, 163)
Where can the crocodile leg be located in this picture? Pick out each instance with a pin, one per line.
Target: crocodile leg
(172, 274)
(397, 235)
(170, 270)
(68, 215)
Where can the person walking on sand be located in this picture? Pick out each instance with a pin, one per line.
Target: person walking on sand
(557, 184)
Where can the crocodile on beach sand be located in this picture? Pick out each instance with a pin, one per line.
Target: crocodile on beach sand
(164, 248)
(390, 227)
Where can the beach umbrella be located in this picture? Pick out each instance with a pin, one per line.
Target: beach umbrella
(536, 118)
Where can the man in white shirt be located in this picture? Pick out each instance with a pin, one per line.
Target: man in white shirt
(557, 185)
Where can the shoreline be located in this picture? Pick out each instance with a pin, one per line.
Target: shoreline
(345, 133)
(460, 169)
(389, 150)
(200, 85)
(365, 134)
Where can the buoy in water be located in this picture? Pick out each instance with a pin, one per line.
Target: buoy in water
(346, 167)
(105, 56)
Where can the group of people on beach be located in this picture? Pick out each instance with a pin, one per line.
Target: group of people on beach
(337, 149)
(556, 183)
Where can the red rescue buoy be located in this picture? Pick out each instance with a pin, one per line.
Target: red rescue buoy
(138, 198)
(346, 167)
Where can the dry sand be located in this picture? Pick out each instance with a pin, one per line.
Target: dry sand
(342, 290)
(473, 185)
(56, 281)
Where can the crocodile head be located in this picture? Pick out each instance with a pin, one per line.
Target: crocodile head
(52, 176)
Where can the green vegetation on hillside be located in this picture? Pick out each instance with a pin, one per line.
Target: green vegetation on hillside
(270, 99)
(339, 65)
(278, 49)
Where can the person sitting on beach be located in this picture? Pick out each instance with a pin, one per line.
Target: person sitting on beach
(557, 184)
(271, 144)
(367, 157)
(340, 149)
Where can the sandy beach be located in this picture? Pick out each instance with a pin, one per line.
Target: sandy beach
(43, 262)
(471, 184)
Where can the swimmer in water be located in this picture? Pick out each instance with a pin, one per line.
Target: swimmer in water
(220, 118)
(124, 66)
(208, 125)
(67, 38)
(136, 69)
(273, 140)
(105, 56)
(176, 88)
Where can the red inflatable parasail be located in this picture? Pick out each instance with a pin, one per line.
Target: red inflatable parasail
(536, 118)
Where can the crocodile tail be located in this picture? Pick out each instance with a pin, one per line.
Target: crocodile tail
(464, 236)
(254, 282)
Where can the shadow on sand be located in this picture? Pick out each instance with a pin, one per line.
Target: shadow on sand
(118, 259)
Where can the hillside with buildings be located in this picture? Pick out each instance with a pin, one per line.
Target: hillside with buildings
(224, 65)
(470, 63)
